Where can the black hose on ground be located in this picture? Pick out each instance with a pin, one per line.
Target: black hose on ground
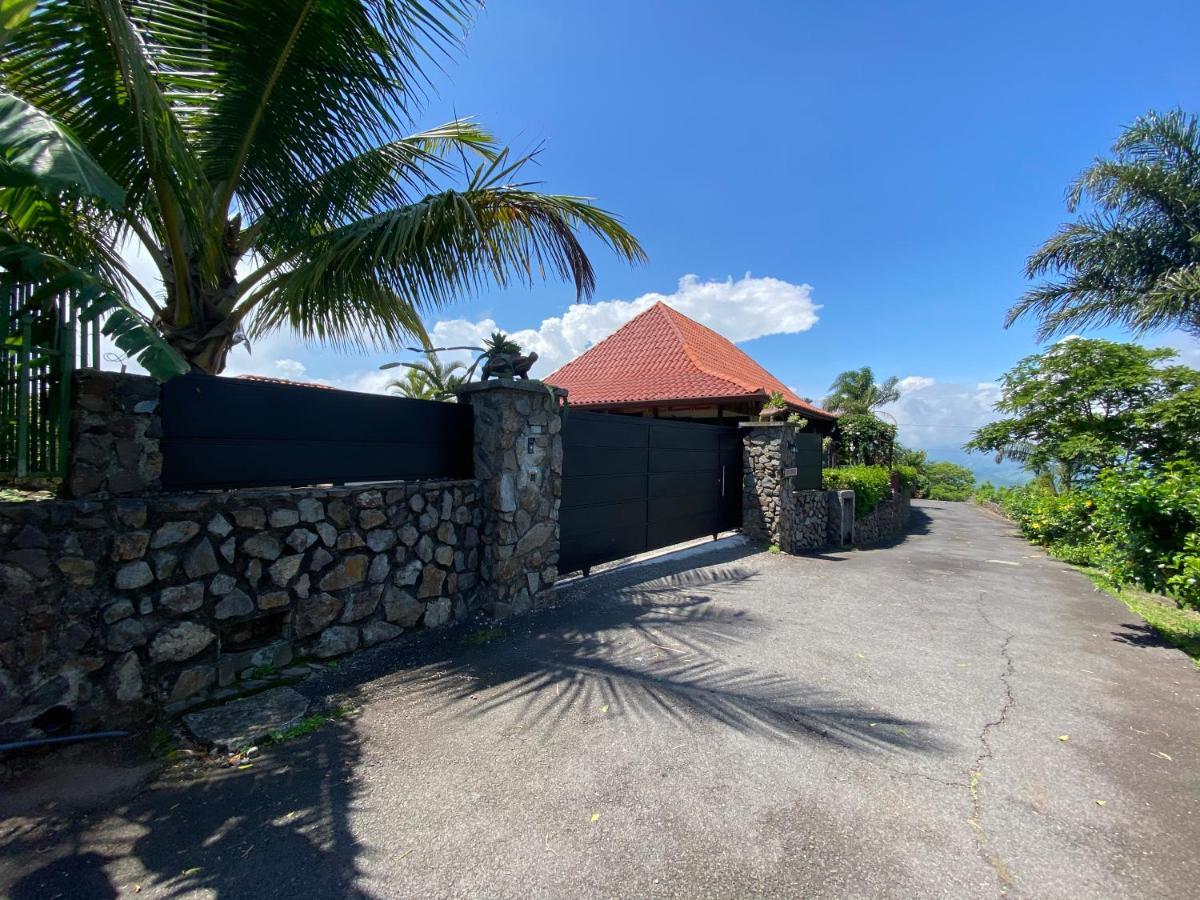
(64, 739)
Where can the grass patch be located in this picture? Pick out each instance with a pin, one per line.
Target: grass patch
(1178, 626)
(161, 743)
(21, 495)
(484, 636)
(306, 726)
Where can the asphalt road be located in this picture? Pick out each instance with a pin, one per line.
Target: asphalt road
(954, 715)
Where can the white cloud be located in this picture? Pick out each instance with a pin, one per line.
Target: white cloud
(1186, 345)
(290, 368)
(932, 415)
(740, 310)
(914, 383)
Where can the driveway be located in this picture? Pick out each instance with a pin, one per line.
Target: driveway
(953, 715)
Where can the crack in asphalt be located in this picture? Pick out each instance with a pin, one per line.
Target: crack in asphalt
(986, 752)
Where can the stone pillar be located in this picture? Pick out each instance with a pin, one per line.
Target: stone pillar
(518, 459)
(115, 429)
(768, 462)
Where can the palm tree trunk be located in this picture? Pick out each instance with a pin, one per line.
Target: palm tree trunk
(210, 334)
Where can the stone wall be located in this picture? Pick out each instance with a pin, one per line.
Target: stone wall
(115, 431)
(518, 459)
(768, 502)
(112, 608)
(125, 600)
(886, 520)
(810, 521)
(801, 521)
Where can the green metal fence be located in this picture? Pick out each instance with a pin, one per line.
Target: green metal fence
(43, 343)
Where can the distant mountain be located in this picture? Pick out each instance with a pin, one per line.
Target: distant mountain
(984, 466)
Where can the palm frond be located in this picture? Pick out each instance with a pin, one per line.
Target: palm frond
(1125, 260)
(128, 328)
(427, 255)
(270, 107)
(36, 151)
(382, 178)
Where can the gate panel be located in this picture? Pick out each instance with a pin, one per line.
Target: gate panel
(632, 485)
(228, 432)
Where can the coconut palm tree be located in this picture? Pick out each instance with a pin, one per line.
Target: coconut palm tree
(430, 379)
(413, 385)
(856, 391)
(1133, 257)
(268, 172)
(48, 185)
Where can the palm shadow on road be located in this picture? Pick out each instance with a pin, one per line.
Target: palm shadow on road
(278, 829)
(657, 643)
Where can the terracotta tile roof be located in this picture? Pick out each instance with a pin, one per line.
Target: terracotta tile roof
(663, 355)
(270, 380)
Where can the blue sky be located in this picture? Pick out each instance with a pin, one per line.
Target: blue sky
(900, 159)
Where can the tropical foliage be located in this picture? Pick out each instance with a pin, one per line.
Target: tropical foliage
(1111, 433)
(933, 479)
(862, 439)
(856, 391)
(1139, 525)
(430, 379)
(1132, 256)
(48, 182)
(1084, 405)
(283, 149)
(869, 483)
(949, 481)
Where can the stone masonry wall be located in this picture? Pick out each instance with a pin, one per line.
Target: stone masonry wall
(115, 431)
(125, 600)
(768, 502)
(800, 521)
(115, 607)
(886, 520)
(518, 459)
(810, 521)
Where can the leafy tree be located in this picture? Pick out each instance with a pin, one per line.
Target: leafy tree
(949, 481)
(907, 456)
(281, 144)
(1084, 405)
(856, 391)
(1133, 257)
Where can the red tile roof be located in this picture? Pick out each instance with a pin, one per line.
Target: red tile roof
(271, 380)
(663, 355)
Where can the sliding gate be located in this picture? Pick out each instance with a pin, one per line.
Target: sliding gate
(633, 484)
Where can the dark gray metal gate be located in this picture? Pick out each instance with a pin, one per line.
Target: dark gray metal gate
(633, 484)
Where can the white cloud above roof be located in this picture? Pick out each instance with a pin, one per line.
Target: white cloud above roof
(740, 310)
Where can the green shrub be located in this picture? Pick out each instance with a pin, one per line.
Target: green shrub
(949, 481)
(1184, 580)
(1138, 526)
(869, 483)
(1145, 527)
(911, 478)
